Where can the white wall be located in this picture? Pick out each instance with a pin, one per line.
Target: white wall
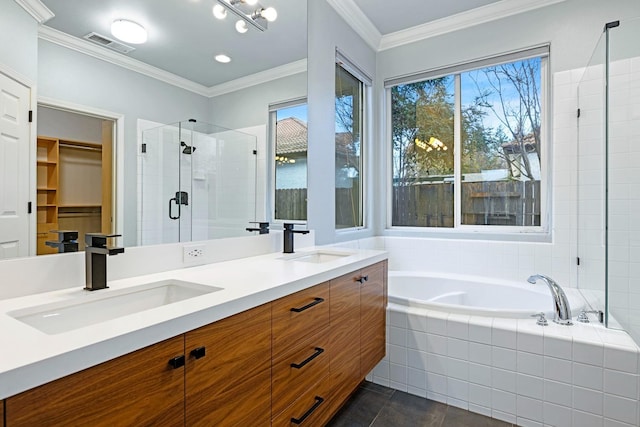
(67, 75)
(18, 40)
(250, 106)
(67, 125)
(328, 31)
(572, 29)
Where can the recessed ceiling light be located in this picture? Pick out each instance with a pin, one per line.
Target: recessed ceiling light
(223, 58)
(241, 26)
(129, 31)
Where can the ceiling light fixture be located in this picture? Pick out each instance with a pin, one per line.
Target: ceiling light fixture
(249, 10)
(223, 58)
(128, 31)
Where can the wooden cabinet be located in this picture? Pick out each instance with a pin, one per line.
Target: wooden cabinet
(358, 329)
(373, 314)
(73, 188)
(140, 389)
(47, 171)
(300, 365)
(291, 361)
(228, 377)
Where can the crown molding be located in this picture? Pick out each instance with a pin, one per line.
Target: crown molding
(354, 17)
(285, 70)
(480, 15)
(83, 46)
(37, 9)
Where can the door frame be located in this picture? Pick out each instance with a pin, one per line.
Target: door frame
(117, 184)
(32, 178)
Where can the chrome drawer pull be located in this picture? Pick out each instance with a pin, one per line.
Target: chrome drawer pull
(300, 420)
(316, 301)
(318, 352)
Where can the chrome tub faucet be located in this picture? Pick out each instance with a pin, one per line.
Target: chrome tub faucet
(561, 308)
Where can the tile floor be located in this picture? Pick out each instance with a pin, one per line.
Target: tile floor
(375, 405)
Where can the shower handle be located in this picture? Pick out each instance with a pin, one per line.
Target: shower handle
(174, 199)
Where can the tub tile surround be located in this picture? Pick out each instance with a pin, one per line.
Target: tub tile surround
(513, 369)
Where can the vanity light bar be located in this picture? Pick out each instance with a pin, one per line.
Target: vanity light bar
(246, 11)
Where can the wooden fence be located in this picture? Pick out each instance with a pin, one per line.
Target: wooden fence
(291, 204)
(515, 203)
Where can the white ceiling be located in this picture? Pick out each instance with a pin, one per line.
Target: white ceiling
(391, 16)
(184, 36)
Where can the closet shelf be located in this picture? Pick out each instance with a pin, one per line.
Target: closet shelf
(46, 162)
(80, 206)
(47, 189)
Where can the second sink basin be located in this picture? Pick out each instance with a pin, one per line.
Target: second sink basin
(321, 256)
(90, 309)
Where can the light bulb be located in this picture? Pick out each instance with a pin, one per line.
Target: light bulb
(128, 31)
(241, 26)
(251, 2)
(270, 14)
(219, 11)
(223, 58)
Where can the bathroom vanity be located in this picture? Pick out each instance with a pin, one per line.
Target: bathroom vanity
(263, 360)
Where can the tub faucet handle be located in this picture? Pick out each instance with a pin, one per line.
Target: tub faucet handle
(584, 318)
(542, 320)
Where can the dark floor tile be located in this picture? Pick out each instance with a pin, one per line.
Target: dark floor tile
(361, 409)
(377, 388)
(456, 417)
(404, 409)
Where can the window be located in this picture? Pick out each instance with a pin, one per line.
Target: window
(290, 163)
(468, 143)
(349, 103)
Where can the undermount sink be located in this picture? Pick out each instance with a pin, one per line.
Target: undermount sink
(321, 256)
(93, 308)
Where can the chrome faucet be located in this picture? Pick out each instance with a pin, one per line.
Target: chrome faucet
(288, 237)
(562, 310)
(95, 255)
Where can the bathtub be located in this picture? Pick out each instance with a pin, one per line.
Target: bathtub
(474, 296)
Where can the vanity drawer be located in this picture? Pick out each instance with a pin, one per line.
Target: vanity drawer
(311, 360)
(298, 316)
(310, 409)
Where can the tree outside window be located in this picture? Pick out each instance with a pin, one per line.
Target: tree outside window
(499, 132)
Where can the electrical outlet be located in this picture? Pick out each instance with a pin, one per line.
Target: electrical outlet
(193, 254)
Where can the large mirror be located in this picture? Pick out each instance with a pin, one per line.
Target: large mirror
(92, 94)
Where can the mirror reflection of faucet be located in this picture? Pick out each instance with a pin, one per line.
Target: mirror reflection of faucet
(96, 252)
(67, 241)
(263, 227)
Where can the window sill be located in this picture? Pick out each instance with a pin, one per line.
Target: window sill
(532, 236)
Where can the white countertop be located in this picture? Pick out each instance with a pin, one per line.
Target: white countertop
(30, 357)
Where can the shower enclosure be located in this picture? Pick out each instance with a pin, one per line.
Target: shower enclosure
(609, 176)
(197, 182)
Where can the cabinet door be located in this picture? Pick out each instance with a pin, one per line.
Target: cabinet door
(373, 303)
(229, 382)
(139, 389)
(344, 346)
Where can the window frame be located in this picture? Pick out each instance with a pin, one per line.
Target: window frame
(366, 83)
(541, 232)
(273, 118)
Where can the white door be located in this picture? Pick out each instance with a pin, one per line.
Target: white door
(14, 168)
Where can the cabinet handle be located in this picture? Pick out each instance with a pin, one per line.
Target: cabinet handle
(316, 301)
(198, 352)
(177, 362)
(318, 352)
(363, 279)
(300, 420)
